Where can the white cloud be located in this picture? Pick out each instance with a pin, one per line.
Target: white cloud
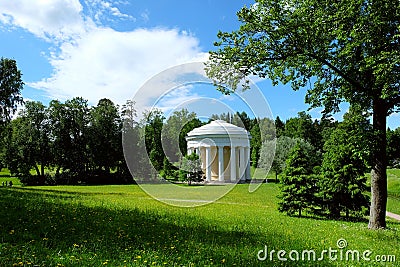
(104, 10)
(90, 59)
(47, 19)
(106, 63)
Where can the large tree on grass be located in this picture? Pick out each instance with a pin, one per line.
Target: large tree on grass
(104, 132)
(69, 132)
(341, 50)
(29, 143)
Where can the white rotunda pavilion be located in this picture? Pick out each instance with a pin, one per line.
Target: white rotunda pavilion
(224, 150)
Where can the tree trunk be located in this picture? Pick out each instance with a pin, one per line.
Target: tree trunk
(37, 170)
(42, 170)
(377, 218)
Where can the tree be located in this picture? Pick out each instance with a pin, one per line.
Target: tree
(304, 128)
(255, 144)
(69, 131)
(104, 135)
(342, 50)
(344, 164)
(191, 168)
(280, 127)
(298, 182)
(29, 146)
(393, 147)
(174, 132)
(134, 150)
(11, 85)
(153, 123)
(284, 145)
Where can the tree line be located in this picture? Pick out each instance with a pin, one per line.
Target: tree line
(320, 163)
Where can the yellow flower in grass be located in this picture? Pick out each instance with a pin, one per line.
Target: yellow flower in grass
(12, 232)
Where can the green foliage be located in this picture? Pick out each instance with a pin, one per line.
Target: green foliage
(29, 141)
(393, 147)
(191, 168)
(298, 184)
(169, 171)
(69, 129)
(255, 143)
(304, 128)
(11, 85)
(104, 135)
(344, 165)
(82, 144)
(341, 50)
(153, 123)
(280, 127)
(283, 146)
(174, 133)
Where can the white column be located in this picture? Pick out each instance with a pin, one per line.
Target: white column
(189, 151)
(201, 158)
(221, 163)
(242, 166)
(208, 164)
(233, 163)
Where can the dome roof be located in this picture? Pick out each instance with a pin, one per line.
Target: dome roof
(218, 127)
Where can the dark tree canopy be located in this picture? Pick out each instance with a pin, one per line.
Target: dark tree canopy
(11, 85)
(340, 50)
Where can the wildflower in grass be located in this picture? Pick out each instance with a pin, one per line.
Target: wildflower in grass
(138, 257)
(12, 232)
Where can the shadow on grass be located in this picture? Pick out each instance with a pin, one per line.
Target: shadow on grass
(50, 230)
(38, 191)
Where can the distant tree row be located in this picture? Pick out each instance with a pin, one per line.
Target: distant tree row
(77, 142)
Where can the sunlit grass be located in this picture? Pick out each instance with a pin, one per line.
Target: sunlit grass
(123, 226)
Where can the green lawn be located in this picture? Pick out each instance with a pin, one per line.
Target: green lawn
(122, 226)
(6, 177)
(393, 203)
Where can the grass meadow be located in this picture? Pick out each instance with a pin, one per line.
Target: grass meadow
(123, 226)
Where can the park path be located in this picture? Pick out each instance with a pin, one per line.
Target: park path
(393, 216)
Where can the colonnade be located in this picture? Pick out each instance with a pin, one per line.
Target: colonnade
(224, 163)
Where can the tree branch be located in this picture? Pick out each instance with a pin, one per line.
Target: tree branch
(338, 71)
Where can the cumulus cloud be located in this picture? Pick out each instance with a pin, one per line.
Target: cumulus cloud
(106, 63)
(47, 19)
(90, 59)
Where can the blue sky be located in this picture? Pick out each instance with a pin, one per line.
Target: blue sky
(103, 48)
